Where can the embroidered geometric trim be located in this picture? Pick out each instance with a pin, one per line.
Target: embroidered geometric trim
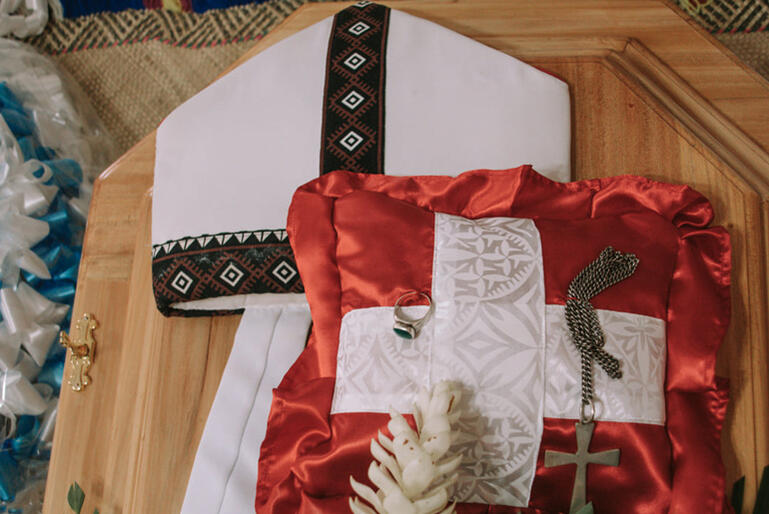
(353, 112)
(222, 239)
(225, 264)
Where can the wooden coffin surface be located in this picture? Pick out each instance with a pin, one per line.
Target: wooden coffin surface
(652, 95)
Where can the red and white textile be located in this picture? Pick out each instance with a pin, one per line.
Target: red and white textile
(497, 250)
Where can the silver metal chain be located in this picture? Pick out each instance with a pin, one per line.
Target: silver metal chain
(609, 268)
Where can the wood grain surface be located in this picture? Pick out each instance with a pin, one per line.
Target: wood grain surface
(651, 95)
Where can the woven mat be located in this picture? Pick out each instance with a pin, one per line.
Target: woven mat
(719, 16)
(212, 28)
(752, 49)
(134, 87)
(137, 66)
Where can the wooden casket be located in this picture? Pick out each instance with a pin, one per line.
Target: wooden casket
(652, 95)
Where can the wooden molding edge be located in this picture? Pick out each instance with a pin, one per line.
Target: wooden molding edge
(719, 134)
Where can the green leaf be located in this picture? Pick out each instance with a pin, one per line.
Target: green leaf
(738, 493)
(75, 497)
(95, 511)
(587, 509)
(762, 496)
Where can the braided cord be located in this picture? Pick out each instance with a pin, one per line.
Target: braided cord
(608, 269)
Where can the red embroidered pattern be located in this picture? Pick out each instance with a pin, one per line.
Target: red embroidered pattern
(208, 266)
(353, 124)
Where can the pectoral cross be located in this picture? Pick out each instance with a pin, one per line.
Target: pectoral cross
(608, 269)
(582, 458)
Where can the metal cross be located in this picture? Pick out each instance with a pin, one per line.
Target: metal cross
(582, 458)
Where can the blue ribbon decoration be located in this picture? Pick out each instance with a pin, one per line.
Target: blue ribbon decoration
(59, 291)
(53, 369)
(51, 256)
(57, 352)
(13, 451)
(32, 149)
(19, 123)
(28, 147)
(10, 477)
(60, 223)
(60, 256)
(26, 436)
(69, 273)
(31, 279)
(67, 174)
(8, 100)
(61, 253)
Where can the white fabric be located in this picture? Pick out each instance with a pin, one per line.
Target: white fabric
(487, 334)
(223, 478)
(369, 357)
(637, 341)
(230, 158)
(240, 301)
(454, 105)
(375, 369)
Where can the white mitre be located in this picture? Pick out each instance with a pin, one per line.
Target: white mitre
(371, 89)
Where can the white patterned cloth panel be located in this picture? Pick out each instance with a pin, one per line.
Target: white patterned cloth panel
(487, 334)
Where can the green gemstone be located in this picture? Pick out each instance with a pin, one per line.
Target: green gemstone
(405, 334)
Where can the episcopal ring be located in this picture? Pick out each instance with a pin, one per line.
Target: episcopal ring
(405, 327)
